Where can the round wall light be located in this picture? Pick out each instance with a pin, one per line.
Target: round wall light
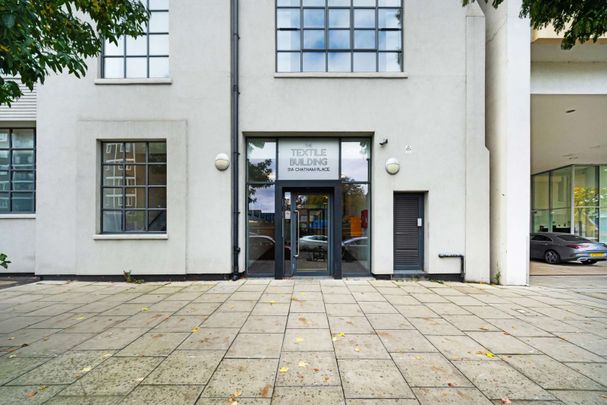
(222, 162)
(392, 166)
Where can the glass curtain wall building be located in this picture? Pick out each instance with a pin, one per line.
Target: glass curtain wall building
(571, 199)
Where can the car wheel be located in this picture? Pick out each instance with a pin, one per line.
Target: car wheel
(589, 262)
(551, 257)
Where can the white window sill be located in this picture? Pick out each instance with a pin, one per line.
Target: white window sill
(127, 82)
(17, 216)
(131, 236)
(330, 75)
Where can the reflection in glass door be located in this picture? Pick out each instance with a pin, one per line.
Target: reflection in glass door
(307, 221)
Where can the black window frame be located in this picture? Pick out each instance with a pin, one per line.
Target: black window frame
(125, 55)
(351, 29)
(125, 185)
(11, 170)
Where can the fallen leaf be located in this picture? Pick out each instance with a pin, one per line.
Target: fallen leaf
(506, 401)
(334, 338)
(42, 387)
(273, 302)
(11, 338)
(80, 318)
(483, 328)
(357, 349)
(145, 309)
(86, 369)
(303, 364)
(106, 355)
(195, 329)
(12, 356)
(283, 369)
(31, 394)
(341, 334)
(490, 355)
(451, 385)
(237, 393)
(298, 340)
(139, 379)
(316, 369)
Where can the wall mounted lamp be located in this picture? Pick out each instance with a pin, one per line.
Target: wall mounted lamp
(222, 162)
(392, 166)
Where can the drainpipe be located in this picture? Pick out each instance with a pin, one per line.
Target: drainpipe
(234, 134)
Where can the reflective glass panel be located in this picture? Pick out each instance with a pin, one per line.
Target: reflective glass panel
(314, 18)
(261, 160)
(113, 175)
(23, 138)
(287, 3)
(561, 220)
(339, 39)
(288, 62)
(159, 4)
(159, 67)
(137, 46)
(113, 198)
(586, 191)
(260, 237)
(339, 18)
(113, 68)
(355, 229)
(561, 188)
(389, 62)
(389, 3)
(135, 175)
(586, 223)
(287, 18)
(314, 39)
(136, 68)
(134, 152)
(159, 44)
(541, 220)
(5, 204)
(157, 175)
(23, 159)
(389, 18)
(314, 3)
(112, 221)
(390, 40)
(157, 221)
(22, 202)
(4, 159)
(116, 49)
(364, 39)
(340, 62)
(159, 22)
(4, 138)
(135, 221)
(355, 157)
(603, 204)
(314, 62)
(4, 181)
(365, 62)
(364, 18)
(288, 40)
(339, 3)
(113, 152)
(22, 181)
(541, 193)
(157, 197)
(157, 152)
(363, 3)
(134, 197)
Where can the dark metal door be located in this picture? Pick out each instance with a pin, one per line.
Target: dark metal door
(408, 231)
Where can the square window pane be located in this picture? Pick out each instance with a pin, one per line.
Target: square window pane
(159, 5)
(287, 18)
(134, 221)
(159, 67)
(4, 160)
(136, 68)
(113, 198)
(159, 21)
(157, 221)
(261, 160)
(314, 62)
(111, 48)
(23, 159)
(314, 18)
(339, 18)
(113, 175)
(157, 197)
(159, 44)
(22, 181)
(4, 141)
(389, 3)
(364, 39)
(340, 62)
(389, 18)
(364, 18)
(4, 202)
(339, 3)
(390, 62)
(23, 138)
(22, 202)
(390, 40)
(134, 152)
(363, 3)
(288, 62)
(113, 152)
(288, 40)
(4, 181)
(157, 152)
(135, 175)
(355, 157)
(112, 221)
(339, 39)
(113, 68)
(157, 175)
(314, 39)
(137, 46)
(134, 197)
(365, 62)
(314, 3)
(287, 3)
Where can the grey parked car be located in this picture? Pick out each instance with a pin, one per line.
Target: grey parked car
(555, 247)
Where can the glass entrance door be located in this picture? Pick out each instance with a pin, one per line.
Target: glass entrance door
(306, 230)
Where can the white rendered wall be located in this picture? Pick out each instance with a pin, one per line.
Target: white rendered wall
(192, 113)
(508, 139)
(427, 111)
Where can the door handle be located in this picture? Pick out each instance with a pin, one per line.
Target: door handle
(297, 214)
(420, 222)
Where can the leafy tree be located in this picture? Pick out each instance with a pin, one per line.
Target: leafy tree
(4, 262)
(42, 36)
(581, 20)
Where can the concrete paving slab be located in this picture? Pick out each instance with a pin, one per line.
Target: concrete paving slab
(256, 346)
(307, 369)
(373, 379)
(359, 347)
(429, 370)
(33, 394)
(595, 371)
(210, 339)
(252, 378)
(308, 395)
(349, 324)
(562, 350)
(310, 320)
(455, 396)
(401, 341)
(193, 367)
(502, 343)
(154, 344)
(166, 394)
(265, 324)
(389, 321)
(307, 340)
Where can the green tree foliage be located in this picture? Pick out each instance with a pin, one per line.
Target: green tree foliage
(42, 36)
(580, 20)
(4, 262)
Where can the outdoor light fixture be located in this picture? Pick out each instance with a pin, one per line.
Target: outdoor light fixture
(222, 162)
(383, 142)
(392, 166)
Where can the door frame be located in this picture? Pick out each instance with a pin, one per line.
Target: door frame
(421, 230)
(334, 189)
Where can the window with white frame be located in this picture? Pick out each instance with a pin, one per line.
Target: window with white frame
(143, 57)
(339, 36)
(17, 170)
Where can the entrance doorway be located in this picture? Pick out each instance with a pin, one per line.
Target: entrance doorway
(307, 232)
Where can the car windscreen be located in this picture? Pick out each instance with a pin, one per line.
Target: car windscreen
(573, 238)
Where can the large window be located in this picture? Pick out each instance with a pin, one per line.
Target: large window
(146, 56)
(17, 170)
(133, 187)
(339, 36)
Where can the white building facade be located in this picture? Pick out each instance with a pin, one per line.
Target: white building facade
(361, 138)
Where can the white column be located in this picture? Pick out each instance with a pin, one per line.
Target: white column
(508, 139)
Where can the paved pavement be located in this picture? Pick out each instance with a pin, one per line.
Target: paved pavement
(302, 342)
(539, 268)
